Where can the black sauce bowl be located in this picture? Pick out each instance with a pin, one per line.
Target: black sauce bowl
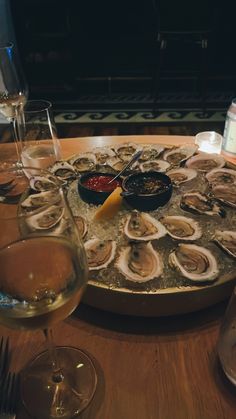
(90, 195)
(146, 201)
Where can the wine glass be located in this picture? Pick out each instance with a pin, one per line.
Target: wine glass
(13, 89)
(227, 340)
(40, 146)
(42, 278)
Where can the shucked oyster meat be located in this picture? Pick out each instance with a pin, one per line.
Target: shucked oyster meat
(199, 203)
(45, 219)
(83, 162)
(40, 199)
(227, 241)
(221, 176)
(126, 150)
(139, 262)
(194, 262)
(205, 162)
(225, 194)
(178, 155)
(151, 151)
(182, 228)
(100, 253)
(156, 165)
(181, 175)
(143, 227)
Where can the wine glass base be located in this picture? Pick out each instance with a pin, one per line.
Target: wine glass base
(44, 399)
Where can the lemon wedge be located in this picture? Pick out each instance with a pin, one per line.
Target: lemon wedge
(110, 206)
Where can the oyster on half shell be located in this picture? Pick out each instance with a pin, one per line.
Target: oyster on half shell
(181, 175)
(156, 165)
(205, 162)
(83, 162)
(126, 150)
(181, 228)
(63, 170)
(100, 253)
(199, 203)
(225, 194)
(143, 227)
(221, 176)
(151, 151)
(227, 241)
(178, 155)
(139, 262)
(40, 199)
(194, 262)
(46, 219)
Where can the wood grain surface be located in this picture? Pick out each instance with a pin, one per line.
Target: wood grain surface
(148, 368)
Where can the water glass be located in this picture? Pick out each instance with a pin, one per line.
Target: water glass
(40, 146)
(209, 142)
(227, 340)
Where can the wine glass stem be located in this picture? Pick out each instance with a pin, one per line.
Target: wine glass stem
(57, 375)
(16, 138)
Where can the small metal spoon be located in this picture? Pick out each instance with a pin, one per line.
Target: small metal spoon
(130, 162)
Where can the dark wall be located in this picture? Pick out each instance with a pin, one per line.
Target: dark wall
(61, 41)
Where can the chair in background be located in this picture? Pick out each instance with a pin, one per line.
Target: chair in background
(185, 35)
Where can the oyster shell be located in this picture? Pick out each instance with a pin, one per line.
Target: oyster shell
(63, 170)
(151, 151)
(205, 162)
(42, 183)
(117, 164)
(181, 228)
(81, 225)
(139, 262)
(226, 194)
(221, 176)
(227, 241)
(40, 199)
(103, 154)
(201, 204)
(156, 165)
(47, 219)
(143, 227)
(126, 150)
(100, 253)
(181, 175)
(178, 155)
(83, 162)
(194, 262)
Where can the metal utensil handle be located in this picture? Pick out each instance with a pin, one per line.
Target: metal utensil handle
(134, 158)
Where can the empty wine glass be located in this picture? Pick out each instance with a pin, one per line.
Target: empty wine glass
(13, 89)
(39, 142)
(227, 340)
(42, 278)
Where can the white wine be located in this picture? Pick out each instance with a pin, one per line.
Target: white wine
(10, 103)
(42, 280)
(40, 156)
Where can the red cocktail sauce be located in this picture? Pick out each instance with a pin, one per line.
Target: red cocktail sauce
(100, 183)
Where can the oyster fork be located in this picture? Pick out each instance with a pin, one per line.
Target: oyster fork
(8, 396)
(4, 357)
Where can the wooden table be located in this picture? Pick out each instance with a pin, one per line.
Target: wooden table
(148, 368)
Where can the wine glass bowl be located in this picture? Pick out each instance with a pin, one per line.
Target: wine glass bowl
(39, 142)
(42, 279)
(13, 89)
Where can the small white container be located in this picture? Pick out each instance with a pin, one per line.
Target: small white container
(209, 142)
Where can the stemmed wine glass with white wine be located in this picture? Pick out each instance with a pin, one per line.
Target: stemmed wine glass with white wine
(43, 274)
(13, 89)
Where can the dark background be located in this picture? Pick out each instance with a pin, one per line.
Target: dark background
(73, 48)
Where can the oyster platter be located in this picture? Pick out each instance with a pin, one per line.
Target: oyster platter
(177, 258)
